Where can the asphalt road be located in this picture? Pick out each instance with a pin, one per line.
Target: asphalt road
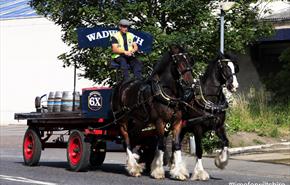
(53, 168)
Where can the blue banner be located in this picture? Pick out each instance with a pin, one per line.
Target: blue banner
(101, 37)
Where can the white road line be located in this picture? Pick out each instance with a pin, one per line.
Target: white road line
(10, 156)
(25, 180)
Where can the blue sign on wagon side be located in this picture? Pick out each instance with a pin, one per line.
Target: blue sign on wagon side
(96, 102)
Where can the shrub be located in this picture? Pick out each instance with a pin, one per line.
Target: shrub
(257, 112)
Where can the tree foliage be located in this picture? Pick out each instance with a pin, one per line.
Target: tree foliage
(192, 23)
(279, 82)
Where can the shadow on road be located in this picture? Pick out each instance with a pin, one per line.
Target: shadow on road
(53, 164)
(215, 178)
(111, 168)
(107, 167)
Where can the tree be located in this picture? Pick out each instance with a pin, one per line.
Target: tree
(192, 23)
(279, 82)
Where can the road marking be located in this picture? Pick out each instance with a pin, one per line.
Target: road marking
(10, 156)
(25, 180)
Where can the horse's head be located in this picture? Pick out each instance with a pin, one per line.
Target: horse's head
(181, 65)
(228, 68)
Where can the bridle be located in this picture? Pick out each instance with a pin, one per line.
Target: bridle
(176, 62)
(220, 67)
(184, 83)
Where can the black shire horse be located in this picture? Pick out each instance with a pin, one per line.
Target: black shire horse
(137, 104)
(207, 110)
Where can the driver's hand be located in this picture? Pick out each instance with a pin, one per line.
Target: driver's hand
(128, 53)
(133, 51)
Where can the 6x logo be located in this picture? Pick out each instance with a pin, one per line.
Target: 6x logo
(95, 101)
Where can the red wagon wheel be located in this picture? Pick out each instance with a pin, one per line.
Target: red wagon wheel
(78, 151)
(31, 147)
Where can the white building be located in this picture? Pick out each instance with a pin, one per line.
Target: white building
(29, 66)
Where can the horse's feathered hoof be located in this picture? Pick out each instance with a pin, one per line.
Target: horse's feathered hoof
(158, 173)
(219, 164)
(135, 174)
(135, 169)
(200, 175)
(180, 177)
(157, 170)
(179, 173)
(221, 161)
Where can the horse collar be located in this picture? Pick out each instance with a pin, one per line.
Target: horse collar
(208, 105)
(163, 97)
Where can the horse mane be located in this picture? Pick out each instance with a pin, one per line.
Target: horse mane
(176, 46)
(210, 67)
(162, 63)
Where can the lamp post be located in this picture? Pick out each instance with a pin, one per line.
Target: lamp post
(75, 82)
(224, 6)
(222, 31)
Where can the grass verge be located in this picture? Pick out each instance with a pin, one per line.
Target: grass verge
(256, 112)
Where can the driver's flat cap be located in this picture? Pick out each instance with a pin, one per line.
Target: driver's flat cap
(125, 22)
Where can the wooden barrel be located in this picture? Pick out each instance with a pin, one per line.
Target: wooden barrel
(50, 102)
(57, 101)
(67, 101)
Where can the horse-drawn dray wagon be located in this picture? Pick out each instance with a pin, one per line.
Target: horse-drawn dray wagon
(166, 99)
(127, 112)
(84, 131)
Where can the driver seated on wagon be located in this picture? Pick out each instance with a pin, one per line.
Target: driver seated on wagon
(123, 47)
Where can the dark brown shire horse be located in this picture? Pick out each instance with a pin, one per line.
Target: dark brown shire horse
(207, 110)
(137, 104)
